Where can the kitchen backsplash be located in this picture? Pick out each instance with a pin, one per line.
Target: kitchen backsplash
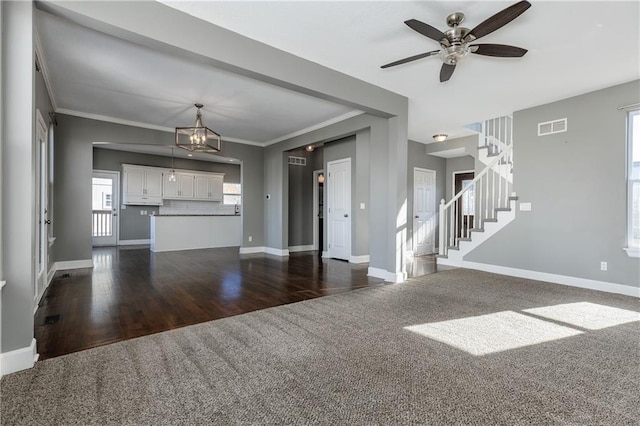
(195, 207)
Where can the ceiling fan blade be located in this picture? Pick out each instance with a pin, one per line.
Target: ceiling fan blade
(410, 58)
(446, 72)
(499, 50)
(426, 30)
(498, 20)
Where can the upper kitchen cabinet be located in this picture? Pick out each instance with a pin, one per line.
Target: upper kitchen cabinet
(179, 189)
(141, 185)
(208, 187)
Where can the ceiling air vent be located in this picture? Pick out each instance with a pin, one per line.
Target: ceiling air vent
(297, 161)
(551, 127)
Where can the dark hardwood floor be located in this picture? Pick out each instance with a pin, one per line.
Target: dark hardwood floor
(133, 292)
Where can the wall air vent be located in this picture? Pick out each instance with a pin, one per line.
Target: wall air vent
(297, 161)
(551, 127)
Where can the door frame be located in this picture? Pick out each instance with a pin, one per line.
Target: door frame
(327, 198)
(435, 210)
(115, 202)
(316, 210)
(41, 209)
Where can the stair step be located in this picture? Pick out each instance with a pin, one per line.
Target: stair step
(442, 256)
(489, 220)
(476, 230)
(514, 198)
(453, 248)
(464, 239)
(503, 209)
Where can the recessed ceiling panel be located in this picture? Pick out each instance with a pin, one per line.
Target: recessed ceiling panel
(95, 73)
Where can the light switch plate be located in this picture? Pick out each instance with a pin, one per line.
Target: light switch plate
(361, 206)
(525, 207)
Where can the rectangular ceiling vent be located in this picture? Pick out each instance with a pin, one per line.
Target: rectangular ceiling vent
(297, 161)
(551, 127)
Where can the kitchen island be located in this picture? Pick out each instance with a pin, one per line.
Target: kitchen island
(187, 232)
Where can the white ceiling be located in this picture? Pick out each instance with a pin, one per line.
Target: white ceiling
(105, 76)
(574, 47)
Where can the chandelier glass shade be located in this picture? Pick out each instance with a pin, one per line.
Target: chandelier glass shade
(198, 138)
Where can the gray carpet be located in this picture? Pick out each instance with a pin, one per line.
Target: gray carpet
(348, 359)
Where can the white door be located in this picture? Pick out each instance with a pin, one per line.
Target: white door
(339, 208)
(42, 202)
(104, 201)
(424, 211)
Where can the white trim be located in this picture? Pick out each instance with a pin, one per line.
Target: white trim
(73, 264)
(44, 68)
(51, 274)
(251, 250)
(554, 278)
(325, 254)
(133, 242)
(359, 259)
(309, 129)
(276, 252)
(19, 359)
(295, 249)
(108, 119)
(392, 277)
(316, 210)
(267, 250)
(632, 251)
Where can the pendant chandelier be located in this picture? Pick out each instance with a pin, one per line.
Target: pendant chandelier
(198, 138)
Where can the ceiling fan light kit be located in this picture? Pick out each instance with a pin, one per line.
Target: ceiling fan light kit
(198, 138)
(455, 42)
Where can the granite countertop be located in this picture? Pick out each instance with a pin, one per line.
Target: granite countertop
(178, 215)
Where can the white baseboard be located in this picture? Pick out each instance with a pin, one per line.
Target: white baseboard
(251, 250)
(359, 259)
(19, 359)
(268, 250)
(325, 254)
(134, 242)
(51, 274)
(276, 252)
(556, 279)
(295, 249)
(392, 277)
(73, 264)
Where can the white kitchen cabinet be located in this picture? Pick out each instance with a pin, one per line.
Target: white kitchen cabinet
(180, 189)
(141, 185)
(208, 187)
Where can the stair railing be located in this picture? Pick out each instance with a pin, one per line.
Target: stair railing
(476, 203)
(496, 134)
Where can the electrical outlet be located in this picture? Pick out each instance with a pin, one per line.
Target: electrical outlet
(250, 238)
(603, 266)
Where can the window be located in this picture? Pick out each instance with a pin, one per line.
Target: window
(232, 193)
(633, 184)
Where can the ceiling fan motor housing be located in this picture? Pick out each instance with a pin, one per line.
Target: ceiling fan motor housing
(454, 49)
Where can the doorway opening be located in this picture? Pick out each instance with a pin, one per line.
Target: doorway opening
(318, 211)
(466, 205)
(104, 208)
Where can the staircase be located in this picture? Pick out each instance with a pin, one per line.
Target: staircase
(487, 204)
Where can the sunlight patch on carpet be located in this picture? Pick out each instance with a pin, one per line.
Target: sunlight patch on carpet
(591, 316)
(497, 332)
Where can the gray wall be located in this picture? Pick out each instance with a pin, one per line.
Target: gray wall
(134, 226)
(17, 174)
(419, 158)
(74, 166)
(576, 184)
(301, 186)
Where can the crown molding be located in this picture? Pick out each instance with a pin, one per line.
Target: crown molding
(329, 122)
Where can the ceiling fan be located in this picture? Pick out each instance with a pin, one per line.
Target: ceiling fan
(455, 42)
